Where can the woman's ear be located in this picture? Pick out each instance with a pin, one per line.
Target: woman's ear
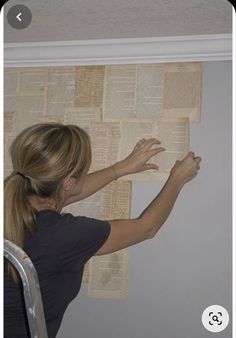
(68, 183)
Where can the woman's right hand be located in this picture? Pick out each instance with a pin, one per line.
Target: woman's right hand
(185, 170)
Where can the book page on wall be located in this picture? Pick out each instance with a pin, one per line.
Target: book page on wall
(174, 137)
(89, 86)
(109, 276)
(182, 90)
(105, 141)
(152, 91)
(82, 117)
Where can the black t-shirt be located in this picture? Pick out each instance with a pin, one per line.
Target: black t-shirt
(61, 246)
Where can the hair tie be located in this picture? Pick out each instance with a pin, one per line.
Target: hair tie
(22, 175)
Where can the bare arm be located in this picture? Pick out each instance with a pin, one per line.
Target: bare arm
(135, 162)
(93, 182)
(125, 233)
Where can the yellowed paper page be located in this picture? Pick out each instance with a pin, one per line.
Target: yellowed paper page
(133, 91)
(108, 276)
(32, 81)
(28, 110)
(60, 90)
(10, 87)
(133, 130)
(174, 137)
(82, 117)
(9, 122)
(119, 92)
(149, 91)
(7, 156)
(89, 86)
(50, 118)
(105, 140)
(116, 199)
(182, 90)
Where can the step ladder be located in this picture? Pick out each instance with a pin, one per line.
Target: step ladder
(32, 293)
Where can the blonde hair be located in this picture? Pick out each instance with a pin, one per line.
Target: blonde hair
(45, 153)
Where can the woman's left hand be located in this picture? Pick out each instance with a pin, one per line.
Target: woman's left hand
(137, 160)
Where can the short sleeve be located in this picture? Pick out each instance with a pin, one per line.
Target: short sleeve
(79, 238)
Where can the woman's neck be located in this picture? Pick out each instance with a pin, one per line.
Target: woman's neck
(40, 203)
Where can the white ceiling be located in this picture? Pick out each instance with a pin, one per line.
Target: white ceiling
(59, 20)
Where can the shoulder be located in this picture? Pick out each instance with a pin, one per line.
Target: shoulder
(69, 228)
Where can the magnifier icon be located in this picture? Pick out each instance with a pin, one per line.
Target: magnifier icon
(215, 318)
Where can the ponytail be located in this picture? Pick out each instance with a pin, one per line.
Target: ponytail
(18, 213)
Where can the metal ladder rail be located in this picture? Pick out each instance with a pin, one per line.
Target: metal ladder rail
(32, 293)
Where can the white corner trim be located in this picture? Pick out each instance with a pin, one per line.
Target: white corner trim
(119, 51)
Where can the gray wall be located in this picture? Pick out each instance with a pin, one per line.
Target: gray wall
(187, 266)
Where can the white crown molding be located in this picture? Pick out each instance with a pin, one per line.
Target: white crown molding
(119, 51)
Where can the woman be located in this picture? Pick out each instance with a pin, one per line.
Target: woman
(50, 163)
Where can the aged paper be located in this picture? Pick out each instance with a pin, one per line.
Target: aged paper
(60, 90)
(25, 95)
(133, 91)
(32, 81)
(149, 91)
(108, 276)
(105, 140)
(89, 86)
(10, 87)
(134, 130)
(152, 91)
(50, 118)
(174, 137)
(82, 117)
(9, 122)
(116, 199)
(119, 92)
(182, 90)
(28, 110)
(9, 138)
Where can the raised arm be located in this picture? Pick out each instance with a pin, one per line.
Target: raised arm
(135, 162)
(125, 233)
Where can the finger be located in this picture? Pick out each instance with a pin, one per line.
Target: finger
(151, 166)
(149, 143)
(195, 174)
(139, 143)
(191, 153)
(155, 151)
(197, 159)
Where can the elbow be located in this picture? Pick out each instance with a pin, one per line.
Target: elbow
(149, 229)
(152, 233)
